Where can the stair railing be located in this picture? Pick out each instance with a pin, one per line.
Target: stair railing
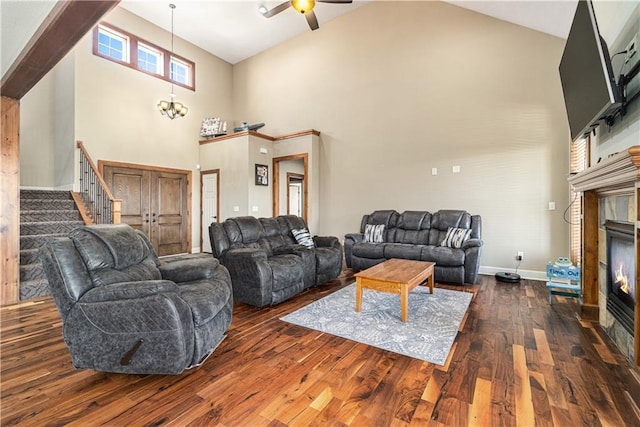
(102, 207)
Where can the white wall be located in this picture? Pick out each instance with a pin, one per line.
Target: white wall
(229, 157)
(618, 21)
(397, 88)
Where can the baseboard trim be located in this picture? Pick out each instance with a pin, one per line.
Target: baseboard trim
(525, 274)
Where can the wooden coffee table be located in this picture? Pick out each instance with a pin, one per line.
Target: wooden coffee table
(398, 276)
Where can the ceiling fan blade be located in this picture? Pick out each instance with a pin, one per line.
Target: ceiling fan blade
(276, 10)
(312, 20)
(335, 1)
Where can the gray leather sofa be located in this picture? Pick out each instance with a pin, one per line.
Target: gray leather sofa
(125, 311)
(418, 235)
(266, 263)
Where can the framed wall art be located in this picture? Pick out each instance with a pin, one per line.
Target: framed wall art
(262, 174)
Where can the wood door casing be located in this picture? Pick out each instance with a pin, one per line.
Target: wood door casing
(155, 201)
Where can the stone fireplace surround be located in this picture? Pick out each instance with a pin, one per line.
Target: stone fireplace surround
(611, 191)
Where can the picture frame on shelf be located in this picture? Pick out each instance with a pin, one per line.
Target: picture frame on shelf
(262, 174)
(210, 127)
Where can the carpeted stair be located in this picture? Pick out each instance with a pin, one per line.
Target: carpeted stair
(43, 214)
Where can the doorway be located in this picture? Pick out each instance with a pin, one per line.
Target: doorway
(155, 201)
(295, 196)
(209, 205)
(284, 164)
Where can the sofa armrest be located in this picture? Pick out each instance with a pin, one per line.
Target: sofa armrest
(128, 290)
(354, 237)
(471, 243)
(351, 239)
(472, 249)
(327, 242)
(251, 275)
(189, 268)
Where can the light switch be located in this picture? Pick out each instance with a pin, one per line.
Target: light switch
(552, 206)
(254, 209)
(236, 208)
(434, 171)
(455, 169)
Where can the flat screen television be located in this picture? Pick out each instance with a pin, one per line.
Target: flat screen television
(588, 82)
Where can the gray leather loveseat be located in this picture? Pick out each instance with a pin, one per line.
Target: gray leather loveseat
(125, 311)
(267, 264)
(419, 235)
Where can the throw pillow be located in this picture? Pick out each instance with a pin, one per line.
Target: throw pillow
(303, 237)
(374, 233)
(456, 237)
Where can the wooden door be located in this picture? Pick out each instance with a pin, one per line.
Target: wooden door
(155, 201)
(169, 212)
(132, 187)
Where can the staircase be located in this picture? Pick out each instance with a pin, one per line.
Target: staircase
(43, 215)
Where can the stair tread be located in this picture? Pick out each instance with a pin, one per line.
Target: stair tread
(34, 281)
(51, 222)
(32, 265)
(39, 211)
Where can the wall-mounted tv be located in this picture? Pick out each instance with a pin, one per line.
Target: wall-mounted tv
(588, 82)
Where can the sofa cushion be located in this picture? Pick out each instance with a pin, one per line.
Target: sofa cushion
(109, 246)
(303, 237)
(442, 220)
(402, 250)
(369, 250)
(455, 237)
(244, 229)
(413, 228)
(374, 233)
(443, 255)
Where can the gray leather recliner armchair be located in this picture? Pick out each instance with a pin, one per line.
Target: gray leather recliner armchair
(125, 311)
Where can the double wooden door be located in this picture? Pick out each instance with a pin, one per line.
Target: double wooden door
(155, 201)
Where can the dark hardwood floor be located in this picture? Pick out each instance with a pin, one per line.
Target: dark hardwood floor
(516, 361)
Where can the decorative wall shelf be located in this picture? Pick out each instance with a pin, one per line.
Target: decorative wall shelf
(260, 135)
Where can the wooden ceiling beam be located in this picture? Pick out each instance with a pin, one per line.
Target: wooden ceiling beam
(65, 25)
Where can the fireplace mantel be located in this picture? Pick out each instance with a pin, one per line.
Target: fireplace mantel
(615, 175)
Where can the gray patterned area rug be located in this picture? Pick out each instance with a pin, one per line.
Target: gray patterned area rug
(432, 326)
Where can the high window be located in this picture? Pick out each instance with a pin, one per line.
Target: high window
(113, 45)
(124, 48)
(150, 59)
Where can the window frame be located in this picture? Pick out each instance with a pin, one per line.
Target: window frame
(140, 45)
(125, 40)
(132, 62)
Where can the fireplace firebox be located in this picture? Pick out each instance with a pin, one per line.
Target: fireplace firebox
(621, 272)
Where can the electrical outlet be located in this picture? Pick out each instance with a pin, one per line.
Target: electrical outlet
(520, 256)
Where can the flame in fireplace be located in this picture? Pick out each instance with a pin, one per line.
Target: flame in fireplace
(621, 280)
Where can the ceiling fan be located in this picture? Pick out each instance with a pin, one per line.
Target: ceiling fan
(303, 6)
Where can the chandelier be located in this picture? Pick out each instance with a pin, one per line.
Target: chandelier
(172, 109)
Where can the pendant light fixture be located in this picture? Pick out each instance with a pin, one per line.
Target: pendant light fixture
(172, 109)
